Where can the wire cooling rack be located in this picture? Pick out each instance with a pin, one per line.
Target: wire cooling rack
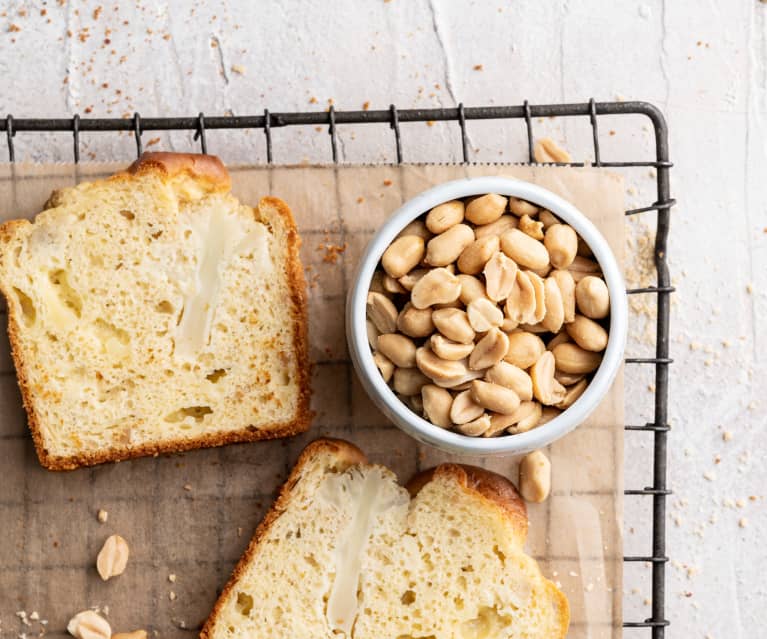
(658, 428)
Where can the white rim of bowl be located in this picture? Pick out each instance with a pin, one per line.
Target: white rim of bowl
(424, 430)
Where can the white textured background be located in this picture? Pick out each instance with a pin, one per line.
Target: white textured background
(703, 62)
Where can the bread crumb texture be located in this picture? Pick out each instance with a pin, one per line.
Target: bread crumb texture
(151, 311)
(352, 555)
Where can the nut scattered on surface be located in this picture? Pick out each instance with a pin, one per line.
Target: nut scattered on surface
(488, 315)
(136, 634)
(535, 477)
(113, 557)
(88, 624)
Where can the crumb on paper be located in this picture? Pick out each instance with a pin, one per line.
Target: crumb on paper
(727, 435)
(172, 596)
(743, 522)
(153, 141)
(366, 105)
(332, 251)
(709, 475)
(102, 515)
(187, 487)
(430, 122)
(478, 67)
(239, 69)
(360, 200)
(387, 182)
(313, 100)
(172, 578)
(749, 288)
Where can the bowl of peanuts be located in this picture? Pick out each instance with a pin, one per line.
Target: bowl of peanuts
(488, 316)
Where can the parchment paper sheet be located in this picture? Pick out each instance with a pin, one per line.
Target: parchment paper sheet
(192, 515)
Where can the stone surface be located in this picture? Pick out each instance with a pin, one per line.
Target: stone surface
(704, 64)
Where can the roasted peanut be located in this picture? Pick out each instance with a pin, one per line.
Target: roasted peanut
(561, 242)
(540, 296)
(416, 227)
(531, 227)
(555, 312)
(471, 288)
(587, 334)
(581, 267)
(415, 322)
(494, 397)
(403, 255)
(460, 383)
(571, 358)
(474, 257)
(559, 338)
(476, 427)
(448, 349)
(546, 150)
(500, 276)
(445, 216)
(113, 557)
(566, 285)
(376, 283)
(464, 408)
(445, 248)
(535, 477)
(508, 325)
(382, 312)
(392, 286)
(489, 350)
(498, 424)
(436, 405)
(567, 379)
(546, 389)
(520, 302)
(413, 402)
(499, 227)
(385, 365)
(438, 369)
(454, 324)
(524, 250)
(485, 209)
(88, 624)
(548, 413)
(484, 315)
(572, 394)
(593, 297)
(438, 286)
(548, 218)
(409, 381)
(372, 332)
(511, 377)
(522, 207)
(526, 417)
(533, 328)
(409, 280)
(524, 349)
(399, 349)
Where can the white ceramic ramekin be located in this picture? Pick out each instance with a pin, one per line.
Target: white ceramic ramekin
(419, 428)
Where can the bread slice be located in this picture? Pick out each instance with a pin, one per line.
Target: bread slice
(347, 552)
(152, 312)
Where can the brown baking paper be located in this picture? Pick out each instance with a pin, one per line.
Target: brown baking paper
(191, 515)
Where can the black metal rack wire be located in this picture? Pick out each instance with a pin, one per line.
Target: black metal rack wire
(658, 428)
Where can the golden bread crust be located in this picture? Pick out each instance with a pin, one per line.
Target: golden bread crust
(207, 170)
(487, 484)
(347, 455)
(213, 176)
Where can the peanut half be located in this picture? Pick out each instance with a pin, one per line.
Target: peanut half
(494, 397)
(436, 405)
(415, 322)
(571, 358)
(438, 286)
(486, 209)
(445, 216)
(524, 349)
(382, 312)
(443, 249)
(511, 377)
(454, 324)
(587, 334)
(489, 350)
(546, 389)
(464, 408)
(448, 349)
(535, 477)
(113, 557)
(474, 257)
(500, 276)
(399, 349)
(88, 624)
(409, 381)
(484, 315)
(592, 297)
(561, 241)
(524, 250)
